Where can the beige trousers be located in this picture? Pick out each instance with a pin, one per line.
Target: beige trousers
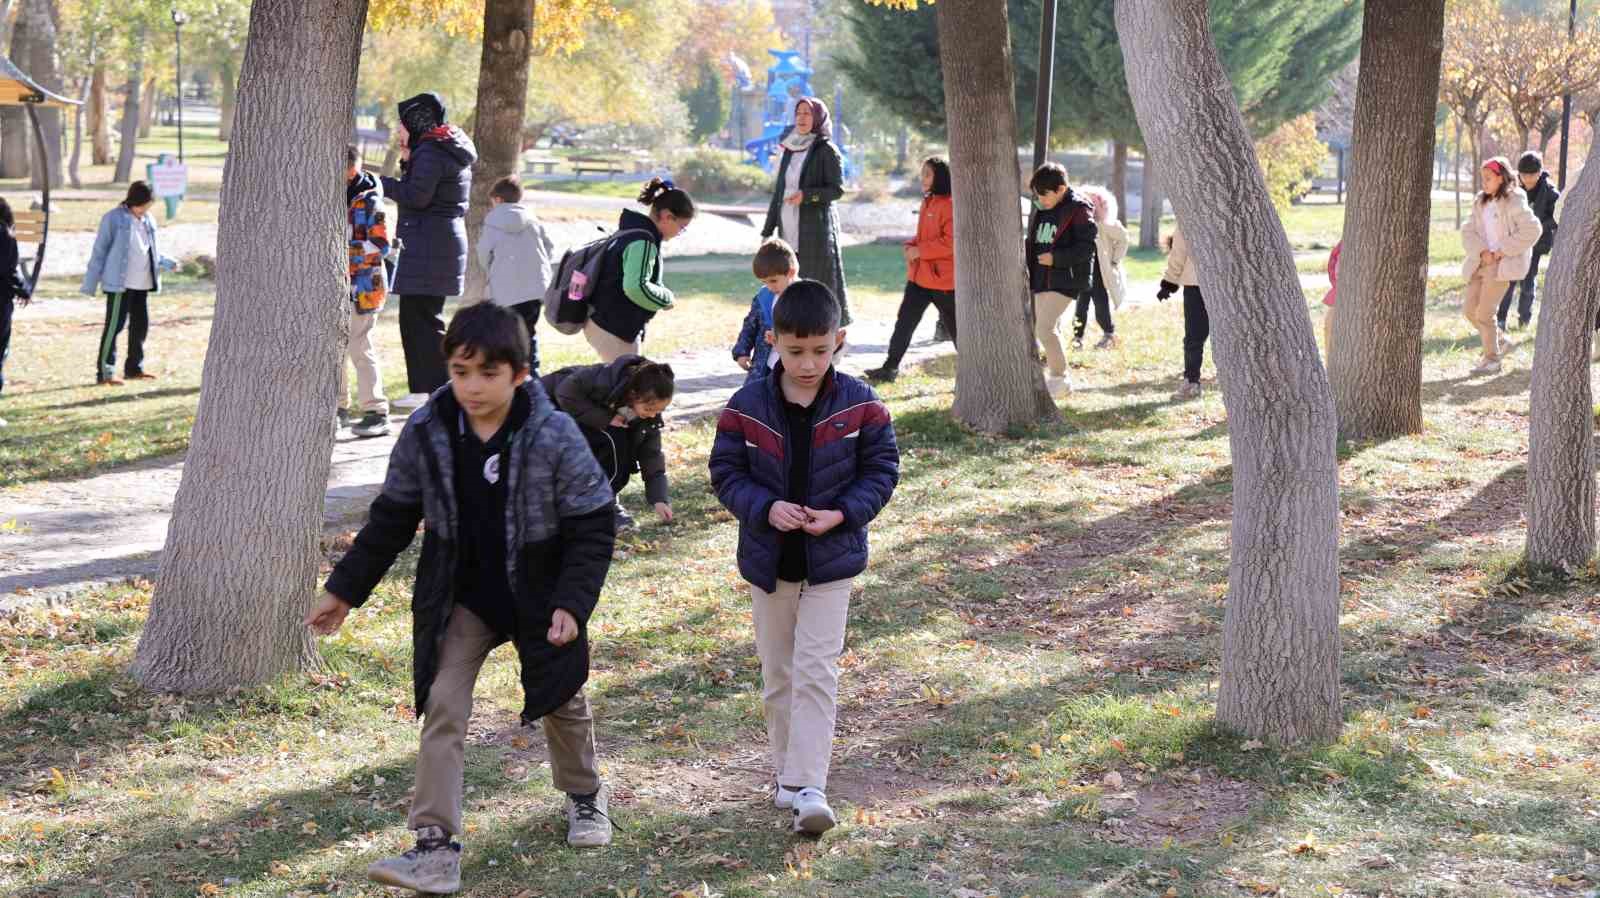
(607, 345)
(441, 759)
(1479, 304)
(364, 356)
(1047, 311)
(799, 637)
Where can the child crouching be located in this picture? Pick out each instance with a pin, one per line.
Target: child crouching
(619, 407)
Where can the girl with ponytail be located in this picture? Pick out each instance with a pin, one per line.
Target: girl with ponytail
(631, 287)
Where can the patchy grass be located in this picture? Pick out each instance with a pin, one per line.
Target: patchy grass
(1025, 702)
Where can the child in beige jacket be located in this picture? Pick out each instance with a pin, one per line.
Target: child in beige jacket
(1499, 239)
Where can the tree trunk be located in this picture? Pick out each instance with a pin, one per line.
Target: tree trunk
(1561, 490)
(1119, 178)
(128, 133)
(229, 101)
(99, 118)
(1151, 201)
(73, 177)
(240, 564)
(497, 118)
(1280, 648)
(43, 64)
(1455, 174)
(902, 148)
(152, 105)
(998, 383)
(1383, 269)
(16, 132)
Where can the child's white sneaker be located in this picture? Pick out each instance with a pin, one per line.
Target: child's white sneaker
(410, 402)
(811, 812)
(433, 867)
(783, 797)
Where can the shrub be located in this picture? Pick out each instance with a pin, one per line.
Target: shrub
(709, 170)
(1290, 158)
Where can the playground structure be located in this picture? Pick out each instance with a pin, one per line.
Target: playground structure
(788, 79)
(17, 89)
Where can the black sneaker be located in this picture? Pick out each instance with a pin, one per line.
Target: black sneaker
(625, 521)
(343, 417)
(881, 375)
(372, 424)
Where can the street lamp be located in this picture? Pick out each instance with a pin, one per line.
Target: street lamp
(179, 19)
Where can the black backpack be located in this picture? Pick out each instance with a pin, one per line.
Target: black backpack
(566, 300)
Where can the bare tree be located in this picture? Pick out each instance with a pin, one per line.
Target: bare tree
(1280, 644)
(498, 117)
(128, 131)
(998, 384)
(99, 117)
(1561, 490)
(1376, 360)
(43, 64)
(241, 557)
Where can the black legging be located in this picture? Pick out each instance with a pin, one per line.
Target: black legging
(422, 338)
(1102, 310)
(913, 305)
(1196, 328)
(130, 309)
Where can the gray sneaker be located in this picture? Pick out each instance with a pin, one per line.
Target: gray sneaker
(588, 824)
(811, 812)
(372, 424)
(433, 866)
(1189, 390)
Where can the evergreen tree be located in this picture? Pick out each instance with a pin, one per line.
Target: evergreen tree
(707, 101)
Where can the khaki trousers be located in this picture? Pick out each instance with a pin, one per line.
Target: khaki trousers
(607, 345)
(1480, 303)
(441, 759)
(799, 637)
(363, 355)
(1047, 311)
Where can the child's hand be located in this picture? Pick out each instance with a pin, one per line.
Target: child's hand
(786, 516)
(744, 362)
(328, 615)
(617, 421)
(1046, 259)
(913, 254)
(820, 522)
(665, 511)
(563, 627)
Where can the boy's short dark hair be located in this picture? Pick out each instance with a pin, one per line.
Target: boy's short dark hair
(507, 190)
(139, 194)
(495, 331)
(775, 257)
(1047, 177)
(351, 155)
(806, 309)
(1531, 163)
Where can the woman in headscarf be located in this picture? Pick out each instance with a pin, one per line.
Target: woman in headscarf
(810, 180)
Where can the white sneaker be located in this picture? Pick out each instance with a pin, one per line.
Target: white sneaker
(783, 797)
(811, 812)
(3, 423)
(1503, 344)
(1487, 366)
(410, 402)
(1058, 386)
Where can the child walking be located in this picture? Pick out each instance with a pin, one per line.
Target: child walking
(369, 289)
(127, 263)
(776, 266)
(619, 407)
(1542, 199)
(1498, 238)
(1060, 254)
(517, 542)
(631, 288)
(930, 269)
(516, 251)
(805, 460)
(1107, 287)
(1196, 322)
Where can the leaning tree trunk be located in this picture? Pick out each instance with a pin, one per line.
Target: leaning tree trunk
(998, 383)
(16, 132)
(1561, 490)
(152, 105)
(1376, 368)
(77, 137)
(1119, 177)
(497, 118)
(241, 557)
(1151, 201)
(99, 118)
(230, 101)
(128, 133)
(44, 66)
(1280, 643)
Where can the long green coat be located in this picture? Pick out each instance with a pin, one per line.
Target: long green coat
(821, 184)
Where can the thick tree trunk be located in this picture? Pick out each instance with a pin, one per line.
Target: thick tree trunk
(1151, 201)
(73, 177)
(43, 64)
(16, 132)
(1561, 489)
(240, 564)
(128, 133)
(1383, 269)
(1119, 177)
(998, 384)
(497, 118)
(1280, 649)
(99, 118)
(152, 105)
(229, 101)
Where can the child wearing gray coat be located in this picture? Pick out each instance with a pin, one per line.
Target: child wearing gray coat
(516, 252)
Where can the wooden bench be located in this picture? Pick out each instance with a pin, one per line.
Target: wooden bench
(597, 164)
(548, 165)
(29, 225)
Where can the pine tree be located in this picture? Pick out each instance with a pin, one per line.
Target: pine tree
(707, 101)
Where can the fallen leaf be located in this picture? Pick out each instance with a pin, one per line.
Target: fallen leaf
(309, 827)
(1252, 745)
(1112, 780)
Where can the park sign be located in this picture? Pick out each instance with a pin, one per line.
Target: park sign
(169, 178)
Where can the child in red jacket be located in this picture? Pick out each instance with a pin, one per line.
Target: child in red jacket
(930, 269)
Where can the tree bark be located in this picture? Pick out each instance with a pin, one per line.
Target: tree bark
(99, 118)
(73, 177)
(229, 101)
(128, 133)
(1280, 650)
(43, 64)
(902, 148)
(240, 563)
(1561, 488)
(1151, 201)
(152, 105)
(497, 117)
(1119, 178)
(1455, 174)
(1376, 368)
(998, 382)
(16, 132)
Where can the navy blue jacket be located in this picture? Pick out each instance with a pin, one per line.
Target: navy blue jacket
(432, 197)
(855, 466)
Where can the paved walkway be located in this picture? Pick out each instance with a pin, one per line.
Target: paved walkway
(113, 526)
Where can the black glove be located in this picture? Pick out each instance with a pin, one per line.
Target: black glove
(1167, 289)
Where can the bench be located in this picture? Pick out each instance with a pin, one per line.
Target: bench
(29, 229)
(597, 164)
(548, 165)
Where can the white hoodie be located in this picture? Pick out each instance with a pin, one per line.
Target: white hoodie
(517, 253)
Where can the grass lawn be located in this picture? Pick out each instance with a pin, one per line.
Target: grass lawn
(1026, 698)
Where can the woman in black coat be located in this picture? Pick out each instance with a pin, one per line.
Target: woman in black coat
(810, 180)
(436, 179)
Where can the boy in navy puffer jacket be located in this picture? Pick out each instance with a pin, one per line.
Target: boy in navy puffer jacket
(805, 459)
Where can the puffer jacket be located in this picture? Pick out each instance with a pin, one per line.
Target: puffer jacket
(935, 265)
(1180, 264)
(1111, 247)
(593, 395)
(855, 466)
(1067, 232)
(752, 340)
(369, 244)
(516, 251)
(432, 196)
(1522, 231)
(1542, 199)
(631, 288)
(559, 538)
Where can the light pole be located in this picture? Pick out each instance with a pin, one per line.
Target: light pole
(179, 19)
(1566, 102)
(1047, 73)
